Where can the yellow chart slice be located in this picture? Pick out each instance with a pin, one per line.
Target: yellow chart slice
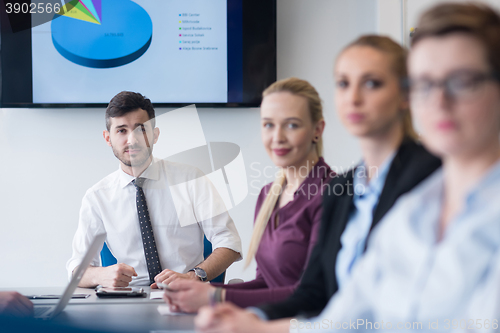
(84, 10)
(71, 10)
(89, 5)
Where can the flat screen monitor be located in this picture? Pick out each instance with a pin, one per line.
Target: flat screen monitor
(80, 53)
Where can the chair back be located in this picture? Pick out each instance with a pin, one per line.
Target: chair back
(107, 258)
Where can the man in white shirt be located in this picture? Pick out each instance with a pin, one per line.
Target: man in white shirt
(143, 207)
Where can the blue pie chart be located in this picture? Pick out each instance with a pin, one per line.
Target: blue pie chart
(124, 34)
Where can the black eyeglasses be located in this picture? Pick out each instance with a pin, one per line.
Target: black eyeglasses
(462, 85)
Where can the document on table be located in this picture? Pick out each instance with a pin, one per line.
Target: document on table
(156, 294)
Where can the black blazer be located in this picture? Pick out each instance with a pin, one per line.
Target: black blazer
(411, 164)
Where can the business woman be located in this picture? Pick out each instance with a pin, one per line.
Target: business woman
(373, 106)
(435, 257)
(288, 211)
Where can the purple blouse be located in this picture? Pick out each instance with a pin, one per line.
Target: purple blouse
(284, 251)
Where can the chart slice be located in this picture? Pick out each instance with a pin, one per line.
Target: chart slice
(121, 38)
(89, 5)
(72, 10)
(84, 10)
(97, 6)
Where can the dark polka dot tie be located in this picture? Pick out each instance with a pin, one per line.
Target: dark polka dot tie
(148, 238)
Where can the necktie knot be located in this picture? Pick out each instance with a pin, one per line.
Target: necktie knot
(139, 182)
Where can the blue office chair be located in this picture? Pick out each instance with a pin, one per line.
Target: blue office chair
(108, 259)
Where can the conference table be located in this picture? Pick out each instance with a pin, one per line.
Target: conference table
(113, 314)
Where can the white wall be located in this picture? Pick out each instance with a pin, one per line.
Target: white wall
(51, 156)
(389, 18)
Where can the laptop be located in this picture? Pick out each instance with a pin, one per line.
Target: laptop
(48, 312)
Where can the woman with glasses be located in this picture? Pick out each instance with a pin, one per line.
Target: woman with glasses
(372, 104)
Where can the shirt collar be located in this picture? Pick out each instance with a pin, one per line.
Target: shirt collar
(376, 184)
(432, 192)
(486, 188)
(152, 172)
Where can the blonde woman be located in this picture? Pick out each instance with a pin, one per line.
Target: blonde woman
(288, 211)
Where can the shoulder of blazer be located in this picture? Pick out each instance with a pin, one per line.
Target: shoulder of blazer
(339, 186)
(412, 164)
(337, 194)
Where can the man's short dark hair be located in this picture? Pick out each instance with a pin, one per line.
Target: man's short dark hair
(128, 101)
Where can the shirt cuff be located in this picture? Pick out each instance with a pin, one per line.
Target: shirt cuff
(231, 247)
(258, 312)
(72, 264)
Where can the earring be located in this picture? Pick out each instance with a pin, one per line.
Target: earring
(316, 139)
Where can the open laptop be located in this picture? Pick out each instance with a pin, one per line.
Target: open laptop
(48, 312)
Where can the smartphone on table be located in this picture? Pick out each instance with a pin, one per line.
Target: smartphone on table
(104, 292)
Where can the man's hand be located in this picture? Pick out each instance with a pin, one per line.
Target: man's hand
(119, 275)
(16, 304)
(168, 276)
(187, 296)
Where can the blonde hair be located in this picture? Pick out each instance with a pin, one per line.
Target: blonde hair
(399, 55)
(295, 87)
(264, 215)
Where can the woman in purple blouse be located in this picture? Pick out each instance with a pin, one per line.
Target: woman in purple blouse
(288, 211)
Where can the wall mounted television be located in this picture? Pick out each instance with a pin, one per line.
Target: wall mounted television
(213, 53)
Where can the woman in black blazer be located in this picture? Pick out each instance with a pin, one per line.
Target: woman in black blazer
(373, 105)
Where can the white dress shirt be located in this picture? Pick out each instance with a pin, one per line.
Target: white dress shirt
(110, 207)
(410, 276)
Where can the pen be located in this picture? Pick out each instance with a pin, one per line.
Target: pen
(164, 286)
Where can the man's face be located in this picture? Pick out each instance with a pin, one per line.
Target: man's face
(132, 137)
